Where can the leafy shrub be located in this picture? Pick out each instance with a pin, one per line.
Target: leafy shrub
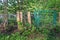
(29, 31)
(15, 36)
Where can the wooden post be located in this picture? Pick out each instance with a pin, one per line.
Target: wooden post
(19, 19)
(29, 17)
(20, 16)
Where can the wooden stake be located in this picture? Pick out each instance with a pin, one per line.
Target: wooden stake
(29, 17)
(20, 16)
(19, 19)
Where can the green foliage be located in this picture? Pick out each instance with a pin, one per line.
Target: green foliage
(15, 36)
(20, 26)
(28, 31)
(27, 24)
(31, 5)
(47, 29)
(20, 23)
(48, 34)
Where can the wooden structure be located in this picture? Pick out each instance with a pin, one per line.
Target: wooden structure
(19, 18)
(37, 17)
(29, 17)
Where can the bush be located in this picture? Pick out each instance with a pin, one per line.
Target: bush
(15, 36)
